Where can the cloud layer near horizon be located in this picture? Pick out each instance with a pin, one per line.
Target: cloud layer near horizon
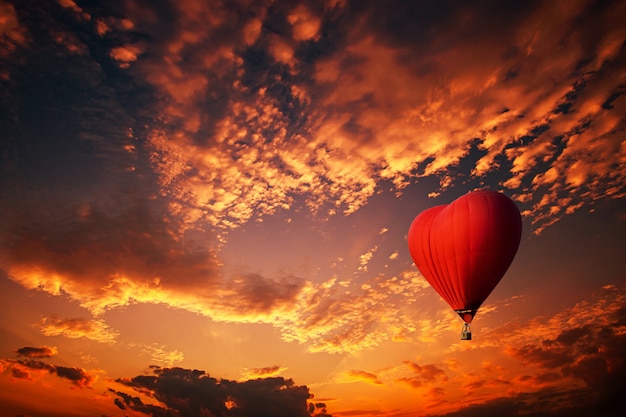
(188, 392)
(571, 362)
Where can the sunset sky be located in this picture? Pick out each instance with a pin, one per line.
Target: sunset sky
(204, 206)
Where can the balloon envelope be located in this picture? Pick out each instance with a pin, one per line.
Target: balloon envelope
(464, 248)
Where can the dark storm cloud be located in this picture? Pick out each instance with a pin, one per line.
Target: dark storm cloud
(473, 386)
(126, 401)
(37, 352)
(186, 393)
(540, 379)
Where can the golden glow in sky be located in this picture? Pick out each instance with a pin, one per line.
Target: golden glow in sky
(205, 206)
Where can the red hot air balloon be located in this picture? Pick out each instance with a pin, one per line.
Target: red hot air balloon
(464, 248)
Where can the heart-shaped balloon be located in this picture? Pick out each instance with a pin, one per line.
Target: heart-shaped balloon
(464, 248)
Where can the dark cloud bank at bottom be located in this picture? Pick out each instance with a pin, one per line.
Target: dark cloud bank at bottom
(185, 392)
(594, 355)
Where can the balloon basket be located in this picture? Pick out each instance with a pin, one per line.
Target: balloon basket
(466, 333)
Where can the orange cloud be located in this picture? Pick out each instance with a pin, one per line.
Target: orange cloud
(305, 25)
(366, 258)
(575, 349)
(243, 157)
(96, 330)
(423, 374)
(110, 23)
(281, 50)
(31, 368)
(124, 55)
(481, 97)
(252, 30)
(264, 372)
(569, 359)
(364, 376)
(334, 318)
(238, 138)
(12, 34)
(159, 354)
(598, 311)
(110, 260)
(70, 4)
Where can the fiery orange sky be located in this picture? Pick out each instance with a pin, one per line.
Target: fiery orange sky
(205, 206)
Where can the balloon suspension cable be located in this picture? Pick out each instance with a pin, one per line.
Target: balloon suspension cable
(467, 315)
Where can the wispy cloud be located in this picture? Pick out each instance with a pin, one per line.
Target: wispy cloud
(364, 376)
(423, 374)
(159, 354)
(332, 318)
(366, 258)
(263, 372)
(94, 329)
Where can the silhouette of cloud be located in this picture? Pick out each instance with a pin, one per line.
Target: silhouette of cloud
(24, 369)
(188, 392)
(37, 352)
